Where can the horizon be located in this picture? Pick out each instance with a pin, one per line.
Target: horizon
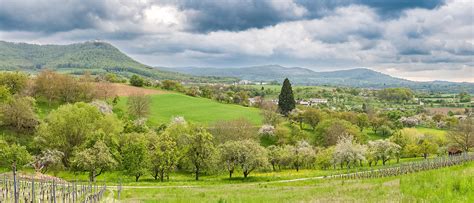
(418, 41)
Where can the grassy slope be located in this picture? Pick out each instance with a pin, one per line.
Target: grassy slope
(166, 106)
(454, 184)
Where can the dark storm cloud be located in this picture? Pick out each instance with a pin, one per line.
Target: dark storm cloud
(50, 15)
(208, 15)
(236, 15)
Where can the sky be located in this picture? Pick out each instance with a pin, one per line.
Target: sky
(413, 39)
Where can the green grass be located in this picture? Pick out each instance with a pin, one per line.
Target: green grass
(194, 109)
(453, 184)
(220, 178)
(431, 131)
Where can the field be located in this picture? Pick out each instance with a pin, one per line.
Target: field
(454, 184)
(127, 90)
(166, 106)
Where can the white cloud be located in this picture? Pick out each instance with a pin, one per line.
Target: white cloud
(420, 44)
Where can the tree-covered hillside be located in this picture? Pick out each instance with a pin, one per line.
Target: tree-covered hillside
(95, 57)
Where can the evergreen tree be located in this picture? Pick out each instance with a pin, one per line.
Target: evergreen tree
(286, 101)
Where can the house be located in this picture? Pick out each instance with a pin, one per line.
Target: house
(314, 101)
(245, 82)
(304, 103)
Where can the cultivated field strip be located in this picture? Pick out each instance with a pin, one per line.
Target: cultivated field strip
(429, 164)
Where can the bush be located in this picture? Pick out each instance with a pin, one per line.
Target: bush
(137, 81)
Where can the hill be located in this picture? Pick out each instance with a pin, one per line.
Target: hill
(201, 110)
(358, 77)
(95, 57)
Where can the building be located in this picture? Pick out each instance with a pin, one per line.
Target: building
(315, 101)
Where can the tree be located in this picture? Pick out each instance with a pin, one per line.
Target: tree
(396, 94)
(13, 155)
(312, 117)
(242, 98)
(401, 141)
(464, 97)
(286, 100)
(463, 134)
(229, 155)
(70, 125)
(47, 159)
(55, 87)
(164, 155)
(329, 131)
(384, 131)
(324, 159)
(251, 156)
(348, 153)
(376, 122)
(297, 116)
(95, 160)
(383, 150)
(137, 81)
(302, 154)
(269, 113)
(135, 159)
(276, 155)
(19, 113)
(172, 85)
(138, 105)
(426, 146)
(199, 149)
(362, 121)
(233, 130)
(15, 82)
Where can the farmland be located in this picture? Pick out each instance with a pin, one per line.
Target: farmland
(180, 142)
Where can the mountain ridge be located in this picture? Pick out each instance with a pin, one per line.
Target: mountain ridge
(101, 57)
(93, 56)
(356, 77)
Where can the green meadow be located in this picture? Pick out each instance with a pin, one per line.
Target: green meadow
(453, 184)
(166, 106)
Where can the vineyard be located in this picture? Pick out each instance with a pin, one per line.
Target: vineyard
(55, 190)
(429, 164)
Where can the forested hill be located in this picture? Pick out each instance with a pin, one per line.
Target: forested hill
(358, 77)
(95, 57)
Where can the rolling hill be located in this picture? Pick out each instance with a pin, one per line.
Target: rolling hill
(95, 57)
(358, 77)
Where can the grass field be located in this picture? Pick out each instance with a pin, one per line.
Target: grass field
(453, 184)
(220, 178)
(201, 110)
(431, 131)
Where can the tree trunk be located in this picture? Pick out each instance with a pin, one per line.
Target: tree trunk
(155, 175)
(230, 173)
(91, 176)
(273, 166)
(246, 174)
(162, 175)
(197, 173)
(137, 177)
